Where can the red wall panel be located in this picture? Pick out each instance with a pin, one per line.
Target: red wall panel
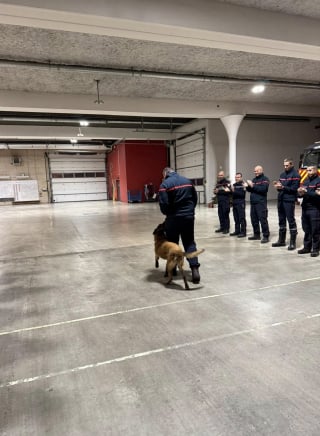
(145, 162)
(136, 163)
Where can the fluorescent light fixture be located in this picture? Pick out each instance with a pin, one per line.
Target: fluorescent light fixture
(258, 89)
(84, 123)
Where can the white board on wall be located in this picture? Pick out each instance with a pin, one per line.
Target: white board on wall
(26, 190)
(19, 190)
(6, 189)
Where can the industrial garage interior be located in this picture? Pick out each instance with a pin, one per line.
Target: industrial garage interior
(94, 342)
(96, 98)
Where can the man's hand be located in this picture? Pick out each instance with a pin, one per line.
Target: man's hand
(278, 185)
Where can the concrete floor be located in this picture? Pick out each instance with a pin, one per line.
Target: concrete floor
(93, 342)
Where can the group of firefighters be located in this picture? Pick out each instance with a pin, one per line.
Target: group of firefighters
(290, 187)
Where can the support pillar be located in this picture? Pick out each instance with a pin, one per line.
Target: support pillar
(232, 124)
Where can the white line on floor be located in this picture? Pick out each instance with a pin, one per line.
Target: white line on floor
(155, 306)
(151, 352)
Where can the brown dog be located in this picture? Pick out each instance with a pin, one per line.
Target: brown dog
(171, 252)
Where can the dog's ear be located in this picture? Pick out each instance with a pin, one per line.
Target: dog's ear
(156, 230)
(159, 228)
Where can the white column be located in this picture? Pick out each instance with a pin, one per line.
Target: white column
(232, 124)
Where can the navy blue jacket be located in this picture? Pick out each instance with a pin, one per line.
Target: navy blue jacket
(222, 195)
(177, 196)
(311, 200)
(259, 190)
(290, 181)
(238, 193)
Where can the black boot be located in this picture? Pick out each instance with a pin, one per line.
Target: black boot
(292, 243)
(255, 237)
(195, 274)
(281, 242)
(304, 251)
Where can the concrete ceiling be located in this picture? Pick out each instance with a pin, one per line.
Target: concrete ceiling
(196, 60)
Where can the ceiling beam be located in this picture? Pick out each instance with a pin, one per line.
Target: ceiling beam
(202, 24)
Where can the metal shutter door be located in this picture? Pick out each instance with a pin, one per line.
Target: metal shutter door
(77, 177)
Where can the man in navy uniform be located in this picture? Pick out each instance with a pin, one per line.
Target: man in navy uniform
(178, 199)
(287, 187)
(223, 193)
(239, 207)
(310, 218)
(258, 188)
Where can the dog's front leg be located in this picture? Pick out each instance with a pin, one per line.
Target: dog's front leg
(157, 261)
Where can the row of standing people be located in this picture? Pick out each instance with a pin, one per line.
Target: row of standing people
(289, 189)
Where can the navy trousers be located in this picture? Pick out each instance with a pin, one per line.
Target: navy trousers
(310, 221)
(286, 213)
(259, 216)
(183, 227)
(239, 215)
(223, 213)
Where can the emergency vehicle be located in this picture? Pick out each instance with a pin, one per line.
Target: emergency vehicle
(310, 157)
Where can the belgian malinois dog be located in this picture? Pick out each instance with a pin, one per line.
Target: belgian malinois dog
(172, 253)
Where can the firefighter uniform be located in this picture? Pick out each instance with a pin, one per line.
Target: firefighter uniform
(310, 217)
(239, 209)
(177, 200)
(223, 199)
(258, 206)
(287, 197)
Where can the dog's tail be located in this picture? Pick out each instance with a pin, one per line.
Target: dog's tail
(193, 254)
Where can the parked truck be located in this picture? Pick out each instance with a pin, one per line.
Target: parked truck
(310, 157)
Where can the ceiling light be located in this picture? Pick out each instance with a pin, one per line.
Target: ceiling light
(257, 89)
(84, 123)
(73, 141)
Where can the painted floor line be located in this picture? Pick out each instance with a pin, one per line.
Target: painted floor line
(155, 306)
(151, 352)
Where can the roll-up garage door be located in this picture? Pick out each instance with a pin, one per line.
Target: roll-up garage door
(77, 177)
(190, 160)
